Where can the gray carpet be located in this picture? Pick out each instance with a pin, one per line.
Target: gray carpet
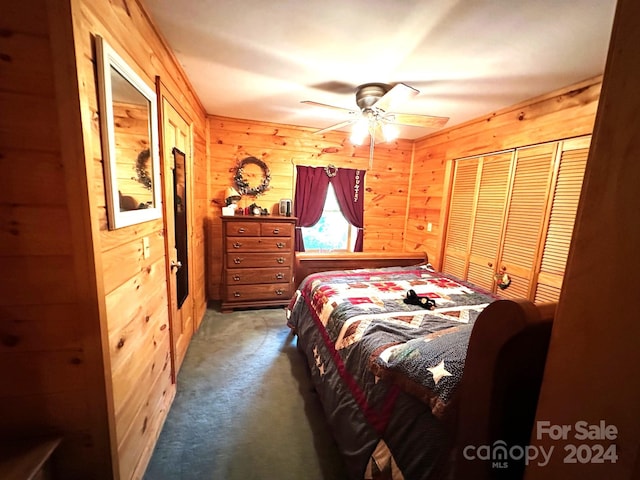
(245, 408)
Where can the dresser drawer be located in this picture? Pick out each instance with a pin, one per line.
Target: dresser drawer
(243, 229)
(276, 229)
(243, 276)
(275, 291)
(258, 244)
(258, 260)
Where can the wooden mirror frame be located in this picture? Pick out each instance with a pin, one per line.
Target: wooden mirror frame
(107, 61)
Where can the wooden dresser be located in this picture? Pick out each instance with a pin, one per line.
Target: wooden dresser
(258, 261)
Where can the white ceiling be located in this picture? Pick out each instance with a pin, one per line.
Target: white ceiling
(257, 59)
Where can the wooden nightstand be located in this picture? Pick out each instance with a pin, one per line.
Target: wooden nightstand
(258, 261)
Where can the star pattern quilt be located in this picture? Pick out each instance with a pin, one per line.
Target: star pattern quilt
(386, 371)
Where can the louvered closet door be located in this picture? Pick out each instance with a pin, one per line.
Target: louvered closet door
(525, 218)
(461, 207)
(489, 217)
(564, 204)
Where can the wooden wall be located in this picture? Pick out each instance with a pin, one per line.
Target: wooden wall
(51, 361)
(282, 147)
(84, 343)
(565, 113)
(137, 317)
(408, 178)
(593, 367)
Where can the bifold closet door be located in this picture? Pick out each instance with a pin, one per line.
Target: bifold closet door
(564, 204)
(461, 212)
(488, 219)
(526, 212)
(476, 217)
(513, 213)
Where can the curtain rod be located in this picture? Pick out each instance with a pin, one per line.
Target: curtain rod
(324, 166)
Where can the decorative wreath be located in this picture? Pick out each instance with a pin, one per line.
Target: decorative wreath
(243, 185)
(331, 170)
(144, 176)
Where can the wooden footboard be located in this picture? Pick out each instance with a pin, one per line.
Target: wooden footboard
(499, 389)
(307, 263)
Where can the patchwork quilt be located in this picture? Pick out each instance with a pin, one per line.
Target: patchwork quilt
(386, 371)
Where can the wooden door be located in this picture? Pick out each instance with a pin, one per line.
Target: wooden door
(569, 173)
(176, 133)
(461, 213)
(491, 201)
(526, 209)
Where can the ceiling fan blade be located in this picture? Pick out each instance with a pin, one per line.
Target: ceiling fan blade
(414, 120)
(399, 93)
(335, 86)
(335, 127)
(324, 105)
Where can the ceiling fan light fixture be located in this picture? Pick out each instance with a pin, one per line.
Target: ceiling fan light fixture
(390, 132)
(360, 131)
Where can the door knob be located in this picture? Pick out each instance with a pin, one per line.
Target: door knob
(175, 265)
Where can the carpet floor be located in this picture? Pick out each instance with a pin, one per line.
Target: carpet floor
(245, 407)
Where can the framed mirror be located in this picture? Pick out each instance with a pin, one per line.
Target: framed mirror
(129, 131)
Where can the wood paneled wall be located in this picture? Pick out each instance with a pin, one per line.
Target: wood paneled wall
(282, 147)
(84, 343)
(565, 113)
(50, 338)
(407, 189)
(592, 372)
(137, 317)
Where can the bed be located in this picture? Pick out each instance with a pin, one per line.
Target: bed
(389, 371)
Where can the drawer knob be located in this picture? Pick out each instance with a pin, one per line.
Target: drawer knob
(280, 260)
(236, 278)
(280, 245)
(237, 260)
(241, 230)
(276, 231)
(237, 245)
(279, 275)
(279, 292)
(236, 294)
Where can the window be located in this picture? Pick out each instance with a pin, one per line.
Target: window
(332, 232)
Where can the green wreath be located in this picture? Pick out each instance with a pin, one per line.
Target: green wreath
(242, 184)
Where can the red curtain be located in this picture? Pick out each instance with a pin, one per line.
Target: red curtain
(349, 187)
(312, 184)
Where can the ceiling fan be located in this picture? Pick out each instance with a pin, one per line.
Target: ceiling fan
(375, 118)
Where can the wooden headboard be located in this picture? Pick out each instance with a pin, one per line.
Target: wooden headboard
(499, 390)
(307, 263)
